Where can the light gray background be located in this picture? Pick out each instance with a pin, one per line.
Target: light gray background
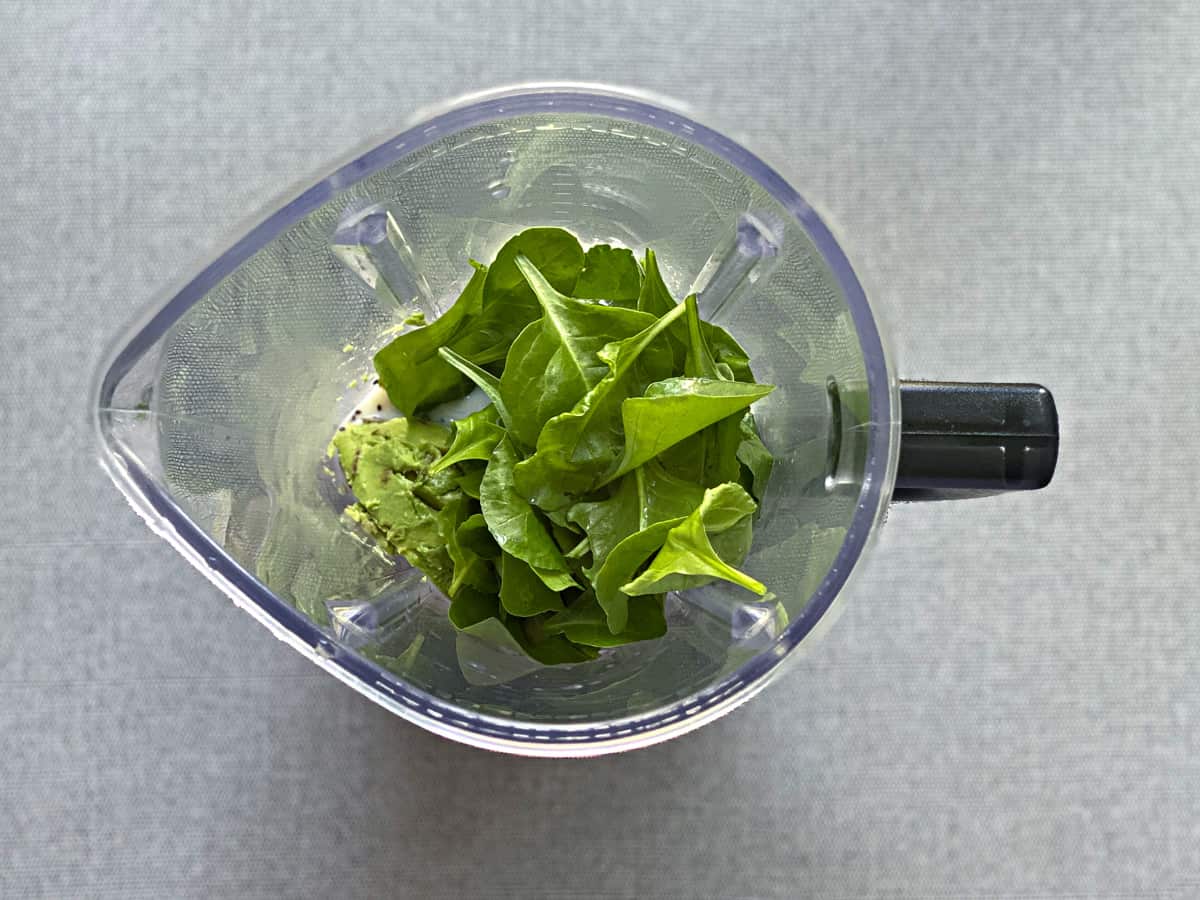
(1010, 705)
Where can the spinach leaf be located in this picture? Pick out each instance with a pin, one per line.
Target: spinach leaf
(555, 360)
(468, 482)
(755, 458)
(558, 650)
(554, 579)
(410, 370)
(615, 463)
(522, 592)
(719, 344)
(708, 457)
(699, 362)
(579, 551)
(609, 273)
(471, 606)
(485, 380)
(575, 448)
(688, 557)
(606, 522)
(473, 535)
(728, 352)
(654, 298)
(565, 535)
(470, 569)
(493, 652)
(513, 522)
(508, 302)
(481, 325)
(675, 408)
(475, 436)
(619, 567)
(644, 496)
(666, 496)
(548, 649)
(584, 622)
(555, 253)
(401, 664)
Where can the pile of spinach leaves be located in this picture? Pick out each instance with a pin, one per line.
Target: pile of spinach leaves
(617, 460)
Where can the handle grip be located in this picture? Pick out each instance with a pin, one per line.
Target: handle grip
(970, 440)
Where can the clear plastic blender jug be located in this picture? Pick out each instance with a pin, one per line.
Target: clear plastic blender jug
(214, 411)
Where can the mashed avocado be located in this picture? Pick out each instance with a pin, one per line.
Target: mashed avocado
(400, 503)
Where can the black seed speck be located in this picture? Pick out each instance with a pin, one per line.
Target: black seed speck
(379, 407)
(358, 412)
(376, 381)
(342, 428)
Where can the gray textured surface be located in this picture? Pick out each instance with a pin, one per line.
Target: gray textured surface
(1010, 705)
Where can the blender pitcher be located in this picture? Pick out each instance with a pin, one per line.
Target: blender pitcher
(214, 411)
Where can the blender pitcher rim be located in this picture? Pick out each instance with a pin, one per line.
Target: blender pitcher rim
(165, 518)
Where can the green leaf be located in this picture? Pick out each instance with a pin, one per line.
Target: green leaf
(556, 650)
(513, 521)
(468, 482)
(475, 436)
(554, 579)
(470, 568)
(609, 273)
(565, 535)
(619, 567)
(728, 352)
(554, 252)
(486, 381)
(555, 360)
(666, 497)
(699, 362)
(473, 535)
(675, 408)
(576, 448)
(755, 458)
(492, 652)
(522, 592)
(725, 351)
(508, 302)
(401, 664)
(708, 457)
(409, 368)
(584, 622)
(558, 517)
(580, 550)
(654, 298)
(688, 557)
(626, 404)
(470, 607)
(646, 495)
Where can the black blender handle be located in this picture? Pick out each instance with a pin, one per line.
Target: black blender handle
(972, 440)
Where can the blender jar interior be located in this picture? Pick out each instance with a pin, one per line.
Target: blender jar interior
(227, 413)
